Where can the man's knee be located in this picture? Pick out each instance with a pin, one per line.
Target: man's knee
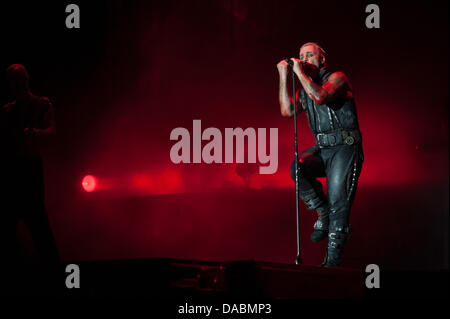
(293, 170)
(300, 170)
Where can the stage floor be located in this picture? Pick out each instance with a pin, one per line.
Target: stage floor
(163, 278)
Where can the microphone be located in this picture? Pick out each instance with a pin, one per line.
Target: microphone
(290, 62)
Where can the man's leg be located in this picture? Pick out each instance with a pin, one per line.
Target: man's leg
(343, 168)
(9, 250)
(36, 219)
(10, 210)
(311, 192)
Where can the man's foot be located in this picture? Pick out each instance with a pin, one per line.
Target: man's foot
(337, 239)
(320, 231)
(332, 259)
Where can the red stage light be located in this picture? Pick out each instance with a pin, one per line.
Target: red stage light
(89, 183)
(142, 182)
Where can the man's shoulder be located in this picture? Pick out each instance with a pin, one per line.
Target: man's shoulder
(337, 76)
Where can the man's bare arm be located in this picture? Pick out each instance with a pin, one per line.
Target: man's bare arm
(337, 86)
(286, 101)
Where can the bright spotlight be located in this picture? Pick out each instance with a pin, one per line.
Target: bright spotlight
(89, 183)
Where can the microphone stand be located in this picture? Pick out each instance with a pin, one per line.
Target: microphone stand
(298, 259)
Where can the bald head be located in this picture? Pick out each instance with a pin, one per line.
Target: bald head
(313, 53)
(17, 77)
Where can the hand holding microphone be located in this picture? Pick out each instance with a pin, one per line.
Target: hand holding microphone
(283, 66)
(298, 65)
(290, 62)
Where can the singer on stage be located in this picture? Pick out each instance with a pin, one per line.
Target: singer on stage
(327, 99)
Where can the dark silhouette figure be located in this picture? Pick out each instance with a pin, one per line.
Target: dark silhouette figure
(22, 123)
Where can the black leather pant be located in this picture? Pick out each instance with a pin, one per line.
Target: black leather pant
(341, 165)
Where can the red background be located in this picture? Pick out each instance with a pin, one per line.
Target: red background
(136, 70)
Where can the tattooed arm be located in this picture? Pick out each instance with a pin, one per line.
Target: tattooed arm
(336, 86)
(286, 101)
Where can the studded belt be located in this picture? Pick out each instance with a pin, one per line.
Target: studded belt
(338, 137)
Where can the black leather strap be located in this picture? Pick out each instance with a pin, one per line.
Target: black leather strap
(338, 137)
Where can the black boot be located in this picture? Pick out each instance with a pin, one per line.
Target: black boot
(321, 225)
(315, 199)
(337, 238)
